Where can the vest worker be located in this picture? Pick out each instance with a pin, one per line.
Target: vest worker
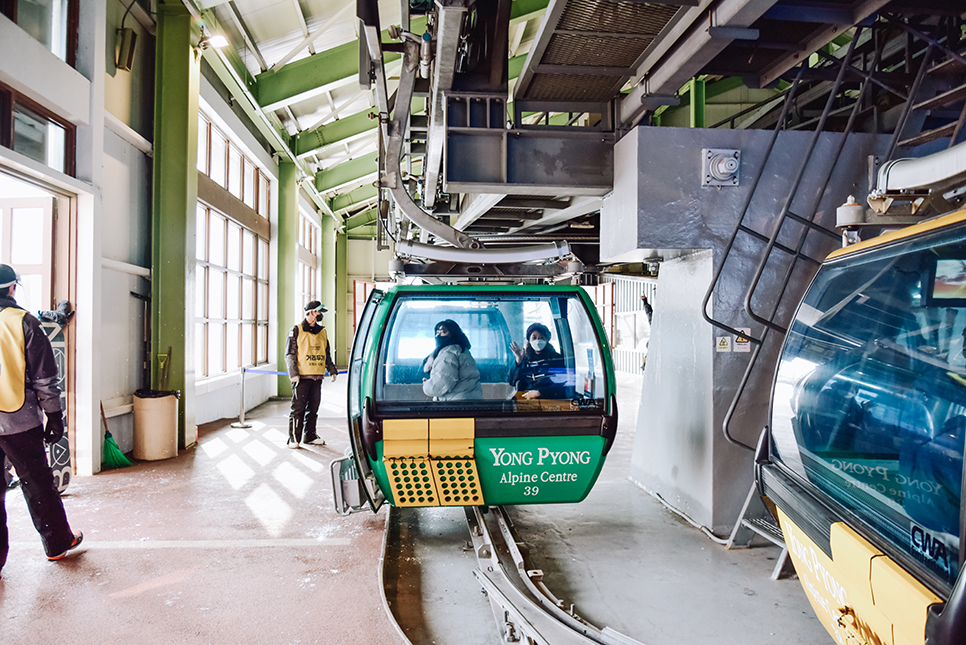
(28, 390)
(308, 358)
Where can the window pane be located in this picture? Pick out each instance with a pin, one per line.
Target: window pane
(247, 346)
(250, 173)
(30, 294)
(234, 283)
(262, 259)
(234, 246)
(201, 281)
(27, 236)
(216, 348)
(46, 22)
(56, 147)
(218, 152)
(264, 193)
(262, 343)
(234, 171)
(38, 138)
(231, 347)
(200, 330)
(216, 239)
(869, 403)
(201, 233)
(248, 299)
(202, 144)
(248, 253)
(216, 293)
(262, 301)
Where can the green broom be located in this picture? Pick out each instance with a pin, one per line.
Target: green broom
(112, 457)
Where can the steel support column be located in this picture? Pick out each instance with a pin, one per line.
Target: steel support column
(289, 311)
(177, 79)
(697, 102)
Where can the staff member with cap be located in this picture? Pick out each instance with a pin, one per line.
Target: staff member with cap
(308, 358)
(28, 390)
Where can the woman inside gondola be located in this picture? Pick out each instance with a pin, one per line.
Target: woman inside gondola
(539, 372)
(452, 370)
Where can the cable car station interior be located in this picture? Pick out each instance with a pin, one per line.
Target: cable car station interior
(701, 265)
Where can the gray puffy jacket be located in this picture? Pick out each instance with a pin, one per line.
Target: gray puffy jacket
(453, 376)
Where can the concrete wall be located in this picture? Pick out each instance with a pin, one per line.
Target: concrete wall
(659, 208)
(673, 450)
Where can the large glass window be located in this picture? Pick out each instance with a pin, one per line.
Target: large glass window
(36, 133)
(568, 373)
(52, 23)
(231, 169)
(309, 271)
(870, 395)
(231, 287)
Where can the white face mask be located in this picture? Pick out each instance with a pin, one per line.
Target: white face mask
(538, 344)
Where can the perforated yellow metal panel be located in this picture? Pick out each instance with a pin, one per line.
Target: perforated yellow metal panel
(457, 482)
(411, 480)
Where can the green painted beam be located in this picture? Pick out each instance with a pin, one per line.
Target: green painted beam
(516, 65)
(325, 135)
(522, 10)
(346, 172)
(360, 194)
(365, 218)
(308, 76)
(697, 103)
(361, 233)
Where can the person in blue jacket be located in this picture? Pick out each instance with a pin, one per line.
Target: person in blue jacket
(28, 393)
(452, 370)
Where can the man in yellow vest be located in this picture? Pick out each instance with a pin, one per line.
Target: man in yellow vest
(28, 391)
(308, 358)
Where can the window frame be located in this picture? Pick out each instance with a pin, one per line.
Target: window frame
(10, 99)
(9, 8)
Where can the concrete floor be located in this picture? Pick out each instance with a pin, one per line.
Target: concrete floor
(627, 562)
(236, 541)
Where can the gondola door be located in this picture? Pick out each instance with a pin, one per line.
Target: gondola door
(364, 336)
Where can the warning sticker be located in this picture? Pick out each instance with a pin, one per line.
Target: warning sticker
(723, 344)
(742, 344)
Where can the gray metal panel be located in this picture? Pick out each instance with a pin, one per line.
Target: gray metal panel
(659, 204)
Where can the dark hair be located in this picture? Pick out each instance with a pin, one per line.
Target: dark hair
(540, 327)
(456, 336)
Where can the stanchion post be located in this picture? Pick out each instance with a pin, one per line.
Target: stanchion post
(241, 411)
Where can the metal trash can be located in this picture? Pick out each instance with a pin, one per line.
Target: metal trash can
(155, 424)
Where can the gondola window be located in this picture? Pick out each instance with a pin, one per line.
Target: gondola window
(870, 394)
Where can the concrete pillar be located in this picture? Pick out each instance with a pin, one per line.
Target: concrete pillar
(177, 74)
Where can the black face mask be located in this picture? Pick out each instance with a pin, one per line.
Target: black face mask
(443, 341)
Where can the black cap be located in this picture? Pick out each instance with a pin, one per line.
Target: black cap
(8, 276)
(315, 305)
